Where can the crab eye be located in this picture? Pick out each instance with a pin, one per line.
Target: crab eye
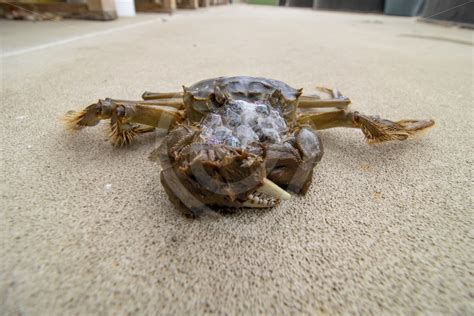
(217, 99)
(120, 111)
(356, 118)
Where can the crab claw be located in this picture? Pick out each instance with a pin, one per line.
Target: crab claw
(75, 120)
(198, 176)
(268, 195)
(89, 116)
(377, 130)
(273, 190)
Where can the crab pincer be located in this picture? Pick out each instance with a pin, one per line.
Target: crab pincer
(127, 119)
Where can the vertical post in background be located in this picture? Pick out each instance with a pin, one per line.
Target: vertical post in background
(169, 5)
(102, 8)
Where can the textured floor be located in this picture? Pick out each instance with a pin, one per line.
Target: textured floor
(87, 229)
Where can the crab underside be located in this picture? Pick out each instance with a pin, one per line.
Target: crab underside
(237, 141)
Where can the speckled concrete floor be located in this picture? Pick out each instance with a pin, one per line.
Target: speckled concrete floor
(87, 229)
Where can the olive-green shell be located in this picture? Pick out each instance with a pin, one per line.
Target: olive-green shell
(243, 88)
(251, 89)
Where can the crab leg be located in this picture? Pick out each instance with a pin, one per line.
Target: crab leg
(337, 100)
(161, 95)
(315, 102)
(175, 103)
(374, 128)
(127, 118)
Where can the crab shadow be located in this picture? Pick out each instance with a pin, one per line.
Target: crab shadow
(207, 214)
(355, 147)
(93, 145)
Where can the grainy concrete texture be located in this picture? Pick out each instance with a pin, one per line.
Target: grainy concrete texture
(87, 229)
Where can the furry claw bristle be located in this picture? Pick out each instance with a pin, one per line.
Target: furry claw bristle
(72, 120)
(120, 137)
(378, 130)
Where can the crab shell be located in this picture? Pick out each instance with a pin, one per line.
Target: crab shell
(197, 175)
(203, 96)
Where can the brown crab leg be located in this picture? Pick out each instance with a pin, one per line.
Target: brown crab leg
(315, 102)
(374, 128)
(127, 118)
(147, 95)
(337, 100)
(175, 103)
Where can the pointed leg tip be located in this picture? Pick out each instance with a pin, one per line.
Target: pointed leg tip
(414, 126)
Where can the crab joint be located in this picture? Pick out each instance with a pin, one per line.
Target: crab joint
(270, 188)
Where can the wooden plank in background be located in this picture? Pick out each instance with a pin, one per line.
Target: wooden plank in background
(103, 10)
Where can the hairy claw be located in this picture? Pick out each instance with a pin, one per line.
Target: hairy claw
(76, 120)
(377, 130)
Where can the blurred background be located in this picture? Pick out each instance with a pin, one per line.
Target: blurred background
(459, 11)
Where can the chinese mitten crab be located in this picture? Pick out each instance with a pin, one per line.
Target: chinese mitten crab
(237, 141)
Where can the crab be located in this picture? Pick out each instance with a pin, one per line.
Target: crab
(237, 142)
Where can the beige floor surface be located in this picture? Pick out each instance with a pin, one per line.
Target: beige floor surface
(87, 229)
